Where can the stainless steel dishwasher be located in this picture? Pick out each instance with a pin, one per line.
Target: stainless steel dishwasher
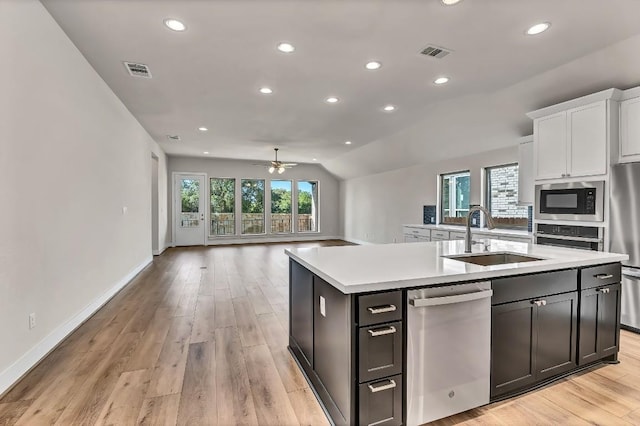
(448, 350)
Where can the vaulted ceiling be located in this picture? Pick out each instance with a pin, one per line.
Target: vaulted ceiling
(210, 74)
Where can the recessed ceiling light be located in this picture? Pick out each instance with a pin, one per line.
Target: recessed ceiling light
(315, 159)
(441, 80)
(538, 28)
(206, 152)
(450, 2)
(202, 129)
(175, 25)
(286, 47)
(266, 91)
(331, 99)
(373, 65)
(347, 143)
(389, 108)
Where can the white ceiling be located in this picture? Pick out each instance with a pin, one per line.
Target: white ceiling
(210, 74)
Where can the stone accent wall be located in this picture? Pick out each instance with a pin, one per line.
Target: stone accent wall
(504, 193)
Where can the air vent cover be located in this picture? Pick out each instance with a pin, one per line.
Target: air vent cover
(174, 138)
(138, 70)
(435, 51)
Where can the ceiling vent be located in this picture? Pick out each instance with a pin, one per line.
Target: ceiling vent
(435, 51)
(138, 70)
(174, 138)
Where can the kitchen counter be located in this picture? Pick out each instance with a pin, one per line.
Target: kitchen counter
(357, 269)
(483, 231)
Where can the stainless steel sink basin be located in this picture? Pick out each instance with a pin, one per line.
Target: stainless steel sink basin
(490, 259)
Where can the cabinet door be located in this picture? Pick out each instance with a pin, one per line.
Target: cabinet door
(630, 129)
(550, 150)
(332, 344)
(380, 351)
(301, 321)
(556, 322)
(588, 140)
(381, 402)
(512, 342)
(609, 320)
(525, 174)
(410, 239)
(588, 338)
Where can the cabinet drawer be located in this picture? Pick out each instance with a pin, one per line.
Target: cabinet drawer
(381, 402)
(457, 235)
(524, 287)
(423, 232)
(443, 235)
(596, 276)
(378, 308)
(379, 351)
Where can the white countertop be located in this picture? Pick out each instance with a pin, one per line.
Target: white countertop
(357, 269)
(484, 231)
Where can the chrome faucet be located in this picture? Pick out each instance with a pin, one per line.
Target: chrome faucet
(490, 225)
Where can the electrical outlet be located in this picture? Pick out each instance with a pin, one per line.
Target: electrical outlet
(32, 320)
(124, 210)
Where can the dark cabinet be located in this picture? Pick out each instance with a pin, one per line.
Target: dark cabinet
(301, 313)
(379, 351)
(380, 402)
(599, 323)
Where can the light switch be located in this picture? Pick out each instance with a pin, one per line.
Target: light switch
(124, 210)
(323, 310)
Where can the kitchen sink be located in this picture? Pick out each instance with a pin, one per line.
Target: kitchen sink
(490, 259)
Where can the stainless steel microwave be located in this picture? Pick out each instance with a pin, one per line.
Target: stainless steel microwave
(582, 201)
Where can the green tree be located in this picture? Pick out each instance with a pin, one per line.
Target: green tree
(305, 201)
(222, 195)
(190, 195)
(280, 200)
(252, 196)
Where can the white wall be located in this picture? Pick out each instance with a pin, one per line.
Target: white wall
(71, 157)
(375, 207)
(240, 169)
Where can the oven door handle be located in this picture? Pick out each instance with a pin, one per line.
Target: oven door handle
(566, 237)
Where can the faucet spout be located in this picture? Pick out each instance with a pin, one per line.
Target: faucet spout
(490, 225)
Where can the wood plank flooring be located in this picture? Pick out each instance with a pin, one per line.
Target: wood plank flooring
(200, 338)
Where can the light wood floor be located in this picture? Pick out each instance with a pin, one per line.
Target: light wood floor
(199, 337)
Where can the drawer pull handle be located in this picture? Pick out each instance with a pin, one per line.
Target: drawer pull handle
(539, 302)
(381, 309)
(382, 331)
(604, 290)
(603, 276)
(390, 385)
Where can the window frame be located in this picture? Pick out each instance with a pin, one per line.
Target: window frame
(441, 208)
(317, 207)
(235, 209)
(291, 214)
(264, 208)
(487, 197)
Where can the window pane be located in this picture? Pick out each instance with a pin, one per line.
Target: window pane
(252, 206)
(307, 206)
(454, 200)
(281, 206)
(502, 194)
(223, 200)
(190, 195)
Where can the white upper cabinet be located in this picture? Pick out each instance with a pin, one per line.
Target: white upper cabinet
(573, 139)
(587, 140)
(550, 135)
(525, 172)
(630, 130)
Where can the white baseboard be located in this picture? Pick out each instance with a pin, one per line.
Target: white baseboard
(33, 356)
(356, 241)
(283, 239)
(159, 252)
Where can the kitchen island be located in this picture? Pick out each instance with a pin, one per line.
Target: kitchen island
(377, 333)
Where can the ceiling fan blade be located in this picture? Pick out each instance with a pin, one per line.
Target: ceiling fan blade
(289, 164)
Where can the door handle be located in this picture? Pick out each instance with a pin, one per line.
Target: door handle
(382, 331)
(445, 300)
(381, 309)
(605, 290)
(539, 302)
(603, 276)
(390, 385)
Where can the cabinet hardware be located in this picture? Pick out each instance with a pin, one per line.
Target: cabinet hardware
(604, 290)
(381, 309)
(390, 385)
(603, 276)
(539, 302)
(382, 331)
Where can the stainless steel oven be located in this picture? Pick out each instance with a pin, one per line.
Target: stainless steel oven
(570, 201)
(582, 237)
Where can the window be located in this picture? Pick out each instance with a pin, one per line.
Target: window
(190, 195)
(223, 201)
(307, 206)
(281, 212)
(454, 197)
(502, 197)
(252, 206)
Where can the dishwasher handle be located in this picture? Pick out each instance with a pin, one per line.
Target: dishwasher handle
(447, 300)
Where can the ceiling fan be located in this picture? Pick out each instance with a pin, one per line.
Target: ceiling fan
(279, 166)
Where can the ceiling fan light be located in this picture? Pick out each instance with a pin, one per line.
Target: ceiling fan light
(280, 170)
(272, 169)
